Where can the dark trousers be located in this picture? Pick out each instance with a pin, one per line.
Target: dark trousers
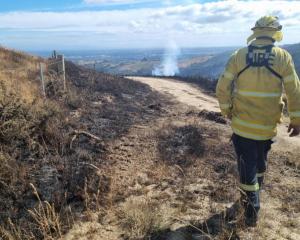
(252, 163)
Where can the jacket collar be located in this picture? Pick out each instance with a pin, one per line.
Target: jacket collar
(262, 42)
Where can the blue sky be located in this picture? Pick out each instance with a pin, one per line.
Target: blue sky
(79, 5)
(102, 24)
(37, 5)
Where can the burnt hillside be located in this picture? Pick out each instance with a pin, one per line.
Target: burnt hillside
(48, 145)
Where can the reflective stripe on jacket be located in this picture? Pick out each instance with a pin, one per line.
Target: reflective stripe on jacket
(254, 99)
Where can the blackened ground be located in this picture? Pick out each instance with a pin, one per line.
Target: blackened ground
(60, 145)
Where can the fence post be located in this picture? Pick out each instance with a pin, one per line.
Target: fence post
(42, 78)
(64, 72)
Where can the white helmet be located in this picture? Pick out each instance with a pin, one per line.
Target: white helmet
(270, 22)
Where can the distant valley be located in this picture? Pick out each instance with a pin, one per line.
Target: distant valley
(204, 62)
(207, 62)
(143, 62)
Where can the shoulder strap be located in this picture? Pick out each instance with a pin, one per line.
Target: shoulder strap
(243, 70)
(274, 72)
(264, 62)
(268, 66)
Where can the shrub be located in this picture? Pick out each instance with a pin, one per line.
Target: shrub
(144, 217)
(178, 145)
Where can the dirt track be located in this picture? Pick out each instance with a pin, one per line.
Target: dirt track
(191, 95)
(183, 92)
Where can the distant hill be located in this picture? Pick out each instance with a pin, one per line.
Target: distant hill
(294, 50)
(143, 66)
(132, 67)
(141, 62)
(210, 68)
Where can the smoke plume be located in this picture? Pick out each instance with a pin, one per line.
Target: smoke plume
(169, 65)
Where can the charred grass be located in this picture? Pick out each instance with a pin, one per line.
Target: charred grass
(53, 151)
(180, 145)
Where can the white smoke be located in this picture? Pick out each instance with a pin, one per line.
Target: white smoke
(169, 65)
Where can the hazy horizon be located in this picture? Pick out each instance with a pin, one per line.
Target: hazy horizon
(131, 54)
(47, 52)
(125, 49)
(145, 24)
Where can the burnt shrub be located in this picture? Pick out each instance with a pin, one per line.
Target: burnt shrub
(213, 116)
(180, 145)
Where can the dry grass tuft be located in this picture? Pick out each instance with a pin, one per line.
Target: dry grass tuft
(11, 232)
(45, 223)
(143, 217)
(46, 218)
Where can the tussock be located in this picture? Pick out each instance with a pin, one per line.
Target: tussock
(144, 217)
(47, 220)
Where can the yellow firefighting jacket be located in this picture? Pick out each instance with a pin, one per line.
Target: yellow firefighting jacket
(252, 96)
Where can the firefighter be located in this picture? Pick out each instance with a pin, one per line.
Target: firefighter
(250, 94)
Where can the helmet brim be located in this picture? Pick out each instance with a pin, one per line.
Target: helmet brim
(279, 28)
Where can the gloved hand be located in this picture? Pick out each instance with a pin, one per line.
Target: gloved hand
(294, 130)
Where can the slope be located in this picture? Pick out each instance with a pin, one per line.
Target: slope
(51, 146)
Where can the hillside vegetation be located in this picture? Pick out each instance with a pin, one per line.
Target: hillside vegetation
(18, 73)
(51, 146)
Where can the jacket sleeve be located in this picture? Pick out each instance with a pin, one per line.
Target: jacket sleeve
(292, 88)
(224, 86)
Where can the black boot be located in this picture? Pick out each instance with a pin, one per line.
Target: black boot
(251, 212)
(251, 221)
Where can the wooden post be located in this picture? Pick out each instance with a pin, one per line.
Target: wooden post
(64, 72)
(54, 55)
(42, 78)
